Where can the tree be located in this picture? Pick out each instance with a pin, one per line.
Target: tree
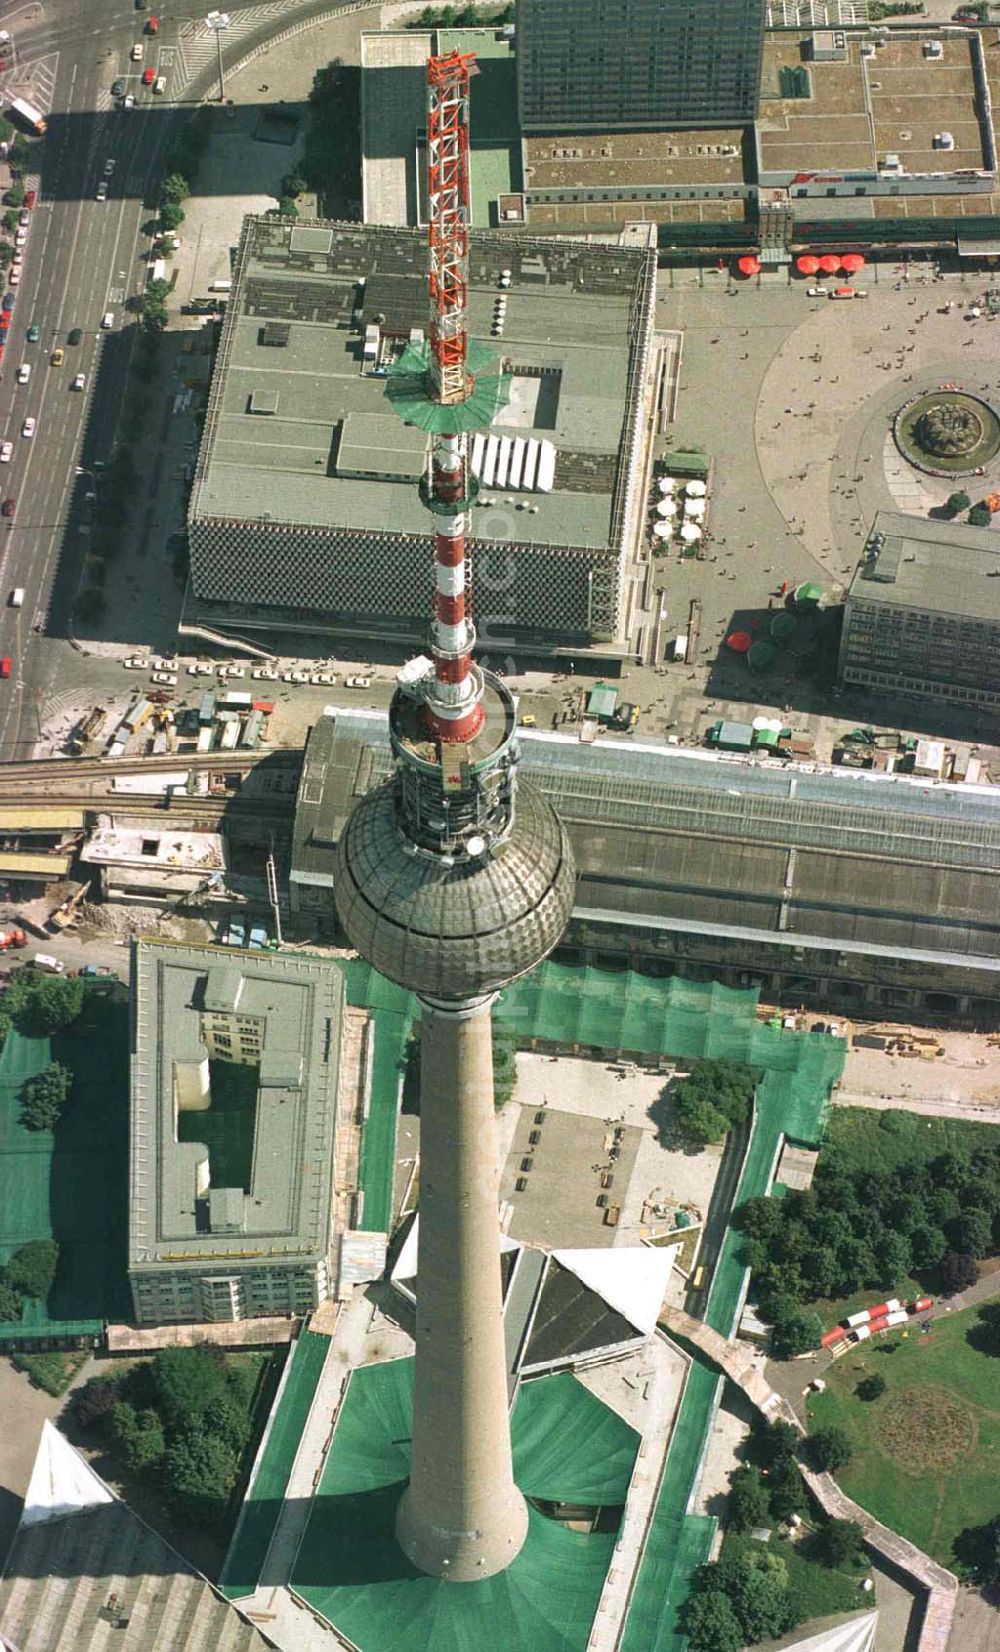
(977, 1549)
(928, 1245)
(972, 1232)
(711, 1623)
(829, 1449)
(871, 1388)
(797, 1334)
(20, 151)
(773, 1442)
(787, 1491)
(94, 1402)
(979, 516)
(958, 502)
(761, 1599)
(14, 196)
(9, 222)
(700, 1123)
(287, 207)
(90, 605)
(186, 1382)
(41, 1004)
(176, 189)
(840, 1543)
(200, 1473)
(139, 1433)
(44, 1097)
(171, 215)
(10, 1302)
(32, 1268)
(759, 1218)
(293, 184)
(749, 1503)
(958, 1272)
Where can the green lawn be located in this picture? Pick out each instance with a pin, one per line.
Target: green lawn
(227, 1128)
(863, 1139)
(821, 1590)
(926, 1453)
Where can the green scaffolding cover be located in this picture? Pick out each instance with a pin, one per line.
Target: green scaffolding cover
(567, 1446)
(408, 389)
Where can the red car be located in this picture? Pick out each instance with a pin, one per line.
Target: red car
(7, 508)
(5, 666)
(148, 76)
(152, 25)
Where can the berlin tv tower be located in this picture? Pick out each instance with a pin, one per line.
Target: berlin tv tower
(454, 878)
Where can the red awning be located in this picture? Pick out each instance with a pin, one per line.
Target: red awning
(739, 642)
(830, 263)
(852, 262)
(749, 265)
(807, 264)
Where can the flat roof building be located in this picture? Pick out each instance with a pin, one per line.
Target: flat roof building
(875, 893)
(636, 63)
(305, 512)
(234, 1077)
(922, 615)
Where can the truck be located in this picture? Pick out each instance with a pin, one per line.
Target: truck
(25, 115)
(48, 964)
(12, 938)
(729, 736)
(88, 729)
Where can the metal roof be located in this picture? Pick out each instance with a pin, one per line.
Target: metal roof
(286, 1211)
(722, 844)
(943, 567)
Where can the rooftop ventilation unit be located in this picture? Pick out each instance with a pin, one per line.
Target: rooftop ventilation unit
(276, 334)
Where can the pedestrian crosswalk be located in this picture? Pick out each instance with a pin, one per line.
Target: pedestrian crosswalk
(35, 81)
(197, 49)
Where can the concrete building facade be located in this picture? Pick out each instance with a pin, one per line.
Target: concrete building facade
(304, 515)
(637, 63)
(922, 615)
(230, 1174)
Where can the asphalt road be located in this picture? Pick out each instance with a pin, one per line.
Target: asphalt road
(83, 258)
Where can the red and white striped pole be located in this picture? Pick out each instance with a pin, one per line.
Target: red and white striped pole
(453, 701)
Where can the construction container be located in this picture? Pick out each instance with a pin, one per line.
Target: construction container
(206, 738)
(230, 735)
(206, 710)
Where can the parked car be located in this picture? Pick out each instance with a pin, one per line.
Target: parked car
(6, 452)
(148, 76)
(29, 426)
(137, 662)
(160, 85)
(13, 275)
(167, 678)
(128, 102)
(264, 674)
(102, 190)
(9, 506)
(117, 88)
(323, 679)
(295, 676)
(5, 664)
(164, 665)
(31, 197)
(152, 25)
(358, 682)
(136, 53)
(199, 669)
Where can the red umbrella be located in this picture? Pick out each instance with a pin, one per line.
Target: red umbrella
(739, 642)
(749, 265)
(830, 263)
(807, 264)
(852, 262)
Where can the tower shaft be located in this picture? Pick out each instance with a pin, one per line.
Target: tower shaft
(462, 1517)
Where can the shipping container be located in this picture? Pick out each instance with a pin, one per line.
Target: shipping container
(206, 710)
(237, 697)
(137, 715)
(253, 730)
(230, 735)
(206, 738)
(730, 736)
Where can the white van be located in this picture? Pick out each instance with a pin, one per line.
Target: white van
(46, 962)
(221, 287)
(108, 320)
(17, 597)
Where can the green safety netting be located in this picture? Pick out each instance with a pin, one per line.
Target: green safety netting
(408, 390)
(71, 1187)
(262, 1505)
(568, 1447)
(350, 1569)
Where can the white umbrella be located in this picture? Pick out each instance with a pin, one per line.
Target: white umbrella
(695, 490)
(666, 484)
(663, 530)
(666, 507)
(694, 507)
(690, 532)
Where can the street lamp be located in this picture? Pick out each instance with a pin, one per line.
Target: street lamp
(218, 22)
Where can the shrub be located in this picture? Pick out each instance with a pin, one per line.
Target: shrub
(796, 1334)
(171, 215)
(839, 1543)
(871, 1388)
(958, 1272)
(979, 516)
(94, 1402)
(11, 1303)
(174, 188)
(749, 1503)
(42, 1004)
(829, 1449)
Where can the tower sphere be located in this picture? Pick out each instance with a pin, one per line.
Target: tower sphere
(459, 931)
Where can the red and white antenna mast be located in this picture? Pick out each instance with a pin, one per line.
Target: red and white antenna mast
(453, 699)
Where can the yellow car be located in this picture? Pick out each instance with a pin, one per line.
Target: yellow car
(57, 357)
